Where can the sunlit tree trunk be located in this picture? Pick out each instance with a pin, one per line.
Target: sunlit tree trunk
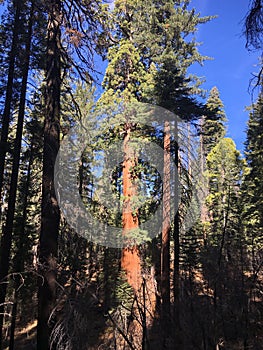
(130, 261)
(166, 227)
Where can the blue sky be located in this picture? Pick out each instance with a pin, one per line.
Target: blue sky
(232, 66)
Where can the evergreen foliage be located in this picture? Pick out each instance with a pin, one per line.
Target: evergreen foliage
(252, 187)
(213, 125)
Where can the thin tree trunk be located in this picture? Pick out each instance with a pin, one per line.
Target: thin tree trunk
(8, 98)
(204, 211)
(166, 227)
(13, 322)
(50, 215)
(20, 261)
(6, 240)
(189, 156)
(130, 261)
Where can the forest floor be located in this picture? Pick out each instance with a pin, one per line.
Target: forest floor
(25, 338)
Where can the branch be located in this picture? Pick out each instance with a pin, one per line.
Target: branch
(121, 332)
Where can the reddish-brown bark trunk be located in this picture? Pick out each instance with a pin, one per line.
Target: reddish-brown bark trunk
(166, 226)
(130, 261)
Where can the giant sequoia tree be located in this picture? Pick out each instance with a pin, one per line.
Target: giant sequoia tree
(148, 58)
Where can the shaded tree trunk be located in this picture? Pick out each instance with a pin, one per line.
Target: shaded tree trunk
(6, 240)
(20, 259)
(50, 215)
(176, 239)
(9, 93)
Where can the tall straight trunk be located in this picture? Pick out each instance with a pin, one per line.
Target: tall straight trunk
(9, 92)
(130, 261)
(189, 156)
(13, 321)
(166, 227)
(50, 215)
(6, 239)
(202, 151)
(176, 239)
(20, 262)
(204, 211)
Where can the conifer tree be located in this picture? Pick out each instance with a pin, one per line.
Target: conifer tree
(75, 19)
(173, 91)
(122, 81)
(50, 216)
(225, 171)
(252, 187)
(6, 118)
(212, 130)
(213, 125)
(148, 61)
(25, 55)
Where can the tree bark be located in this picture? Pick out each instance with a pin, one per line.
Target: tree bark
(130, 261)
(166, 227)
(50, 215)
(6, 239)
(176, 239)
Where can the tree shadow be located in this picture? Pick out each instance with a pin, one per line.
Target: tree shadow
(219, 308)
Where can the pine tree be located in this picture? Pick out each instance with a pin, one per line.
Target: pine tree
(212, 130)
(6, 118)
(225, 171)
(213, 125)
(75, 19)
(27, 220)
(6, 240)
(50, 215)
(173, 91)
(252, 188)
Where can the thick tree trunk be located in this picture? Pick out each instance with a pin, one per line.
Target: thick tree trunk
(50, 215)
(166, 227)
(6, 239)
(130, 261)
